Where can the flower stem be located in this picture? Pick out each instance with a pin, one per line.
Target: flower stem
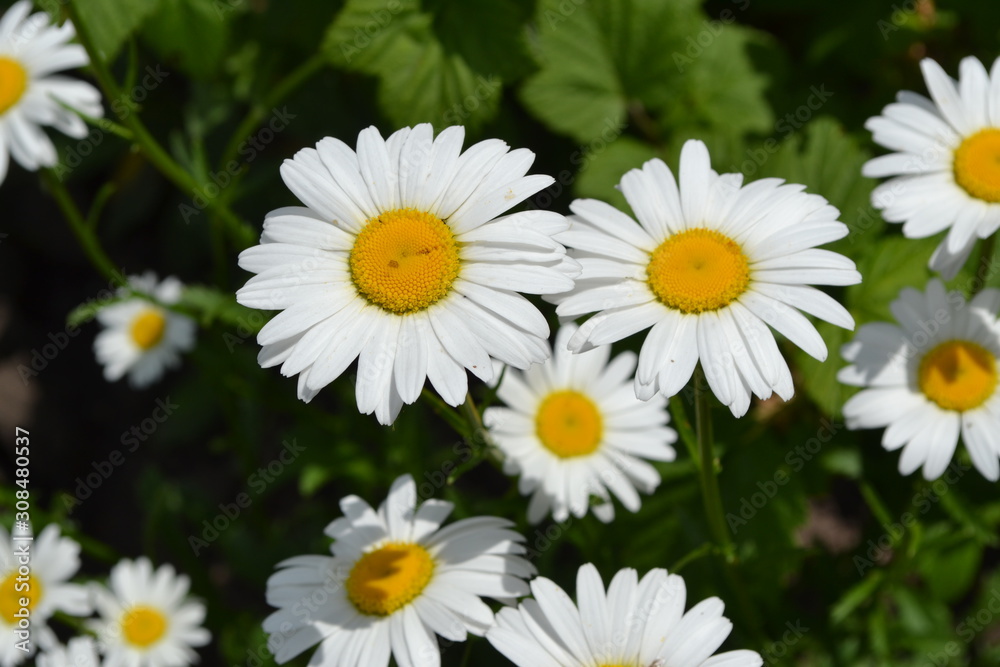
(709, 481)
(83, 232)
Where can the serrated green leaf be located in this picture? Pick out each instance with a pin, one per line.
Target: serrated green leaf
(608, 59)
(420, 80)
(886, 268)
(110, 22)
(190, 34)
(487, 34)
(600, 171)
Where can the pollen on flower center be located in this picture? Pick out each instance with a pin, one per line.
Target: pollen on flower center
(698, 270)
(147, 329)
(143, 626)
(12, 589)
(13, 83)
(958, 375)
(389, 578)
(977, 165)
(569, 424)
(404, 260)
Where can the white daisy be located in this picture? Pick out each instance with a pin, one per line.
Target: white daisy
(395, 579)
(78, 652)
(947, 164)
(636, 623)
(142, 338)
(930, 378)
(147, 618)
(400, 261)
(51, 561)
(31, 95)
(575, 428)
(708, 266)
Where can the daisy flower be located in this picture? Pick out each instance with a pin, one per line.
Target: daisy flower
(395, 580)
(575, 428)
(147, 620)
(636, 623)
(708, 266)
(52, 561)
(78, 652)
(929, 379)
(142, 338)
(399, 260)
(946, 167)
(31, 94)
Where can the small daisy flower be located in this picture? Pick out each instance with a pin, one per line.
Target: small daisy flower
(709, 266)
(636, 623)
(31, 94)
(142, 338)
(399, 260)
(946, 168)
(575, 428)
(78, 652)
(395, 580)
(147, 618)
(930, 379)
(52, 561)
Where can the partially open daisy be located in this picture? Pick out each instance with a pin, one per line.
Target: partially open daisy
(51, 561)
(708, 266)
(946, 167)
(147, 618)
(142, 338)
(928, 379)
(31, 95)
(395, 579)
(575, 429)
(78, 652)
(636, 623)
(400, 261)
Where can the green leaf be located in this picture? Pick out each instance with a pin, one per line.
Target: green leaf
(110, 22)
(950, 573)
(601, 170)
(211, 305)
(855, 597)
(488, 34)
(191, 34)
(609, 59)
(420, 79)
(886, 268)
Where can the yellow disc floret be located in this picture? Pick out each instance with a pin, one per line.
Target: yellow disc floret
(958, 375)
(977, 165)
(698, 270)
(389, 578)
(143, 626)
(404, 260)
(569, 424)
(147, 329)
(13, 83)
(15, 589)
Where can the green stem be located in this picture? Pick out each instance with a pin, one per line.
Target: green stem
(709, 481)
(141, 136)
(83, 232)
(984, 265)
(286, 87)
(704, 550)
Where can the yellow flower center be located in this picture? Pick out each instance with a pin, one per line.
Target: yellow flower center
(143, 626)
(147, 329)
(698, 270)
(569, 424)
(13, 83)
(12, 589)
(977, 165)
(404, 260)
(958, 375)
(389, 578)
